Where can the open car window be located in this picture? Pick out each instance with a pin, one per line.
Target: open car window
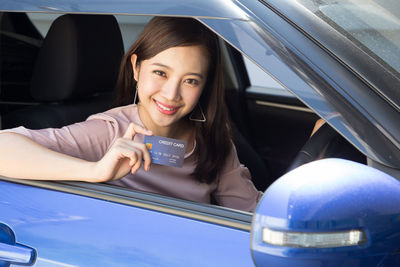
(15, 102)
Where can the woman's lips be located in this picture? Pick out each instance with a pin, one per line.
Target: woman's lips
(166, 109)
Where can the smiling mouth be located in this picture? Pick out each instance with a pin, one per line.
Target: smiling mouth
(166, 109)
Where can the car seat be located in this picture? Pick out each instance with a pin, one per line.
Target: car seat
(74, 74)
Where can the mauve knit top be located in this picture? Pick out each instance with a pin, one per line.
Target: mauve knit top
(91, 139)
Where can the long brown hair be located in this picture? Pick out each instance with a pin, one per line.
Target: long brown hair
(213, 136)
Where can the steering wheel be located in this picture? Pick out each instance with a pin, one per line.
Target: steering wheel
(317, 146)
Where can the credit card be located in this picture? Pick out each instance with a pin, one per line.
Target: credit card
(165, 151)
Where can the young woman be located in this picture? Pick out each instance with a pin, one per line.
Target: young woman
(170, 85)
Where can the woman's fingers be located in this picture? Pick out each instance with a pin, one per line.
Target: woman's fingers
(133, 129)
(146, 158)
(136, 152)
(126, 155)
(136, 161)
(137, 165)
(142, 155)
(133, 160)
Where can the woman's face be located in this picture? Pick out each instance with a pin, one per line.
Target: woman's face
(170, 84)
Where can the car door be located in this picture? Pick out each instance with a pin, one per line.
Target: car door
(97, 225)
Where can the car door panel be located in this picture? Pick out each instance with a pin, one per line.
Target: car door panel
(72, 230)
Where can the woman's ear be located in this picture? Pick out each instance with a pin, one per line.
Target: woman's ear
(135, 67)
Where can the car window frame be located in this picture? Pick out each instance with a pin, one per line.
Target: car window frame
(346, 100)
(208, 213)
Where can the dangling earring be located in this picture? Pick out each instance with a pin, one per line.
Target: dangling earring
(202, 119)
(134, 100)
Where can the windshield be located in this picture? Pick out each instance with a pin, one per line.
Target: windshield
(372, 25)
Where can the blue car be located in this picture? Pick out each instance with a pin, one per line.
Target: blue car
(332, 199)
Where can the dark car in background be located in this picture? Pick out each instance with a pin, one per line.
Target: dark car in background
(287, 64)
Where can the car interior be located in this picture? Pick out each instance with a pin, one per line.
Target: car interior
(269, 128)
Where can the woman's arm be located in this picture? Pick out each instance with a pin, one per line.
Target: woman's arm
(23, 158)
(20, 157)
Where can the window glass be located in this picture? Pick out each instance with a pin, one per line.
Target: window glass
(263, 82)
(131, 27)
(258, 77)
(42, 21)
(372, 25)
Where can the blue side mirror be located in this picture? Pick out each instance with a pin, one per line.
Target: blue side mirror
(330, 212)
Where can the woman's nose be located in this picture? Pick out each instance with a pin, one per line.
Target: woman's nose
(171, 90)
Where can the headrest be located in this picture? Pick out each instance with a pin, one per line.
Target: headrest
(80, 56)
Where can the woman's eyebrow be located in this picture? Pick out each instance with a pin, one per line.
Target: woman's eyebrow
(161, 65)
(167, 67)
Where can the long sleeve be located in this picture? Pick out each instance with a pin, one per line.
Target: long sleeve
(235, 188)
(87, 140)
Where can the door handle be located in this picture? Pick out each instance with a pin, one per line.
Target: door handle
(17, 254)
(12, 252)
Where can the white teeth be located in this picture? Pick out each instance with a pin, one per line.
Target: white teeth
(164, 108)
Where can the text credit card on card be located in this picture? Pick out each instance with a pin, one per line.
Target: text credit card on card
(165, 151)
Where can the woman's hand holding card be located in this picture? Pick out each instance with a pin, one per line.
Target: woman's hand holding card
(124, 156)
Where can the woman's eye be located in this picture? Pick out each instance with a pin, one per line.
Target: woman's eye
(192, 81)
(159, 73)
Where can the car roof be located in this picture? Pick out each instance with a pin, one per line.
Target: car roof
(189, 8)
